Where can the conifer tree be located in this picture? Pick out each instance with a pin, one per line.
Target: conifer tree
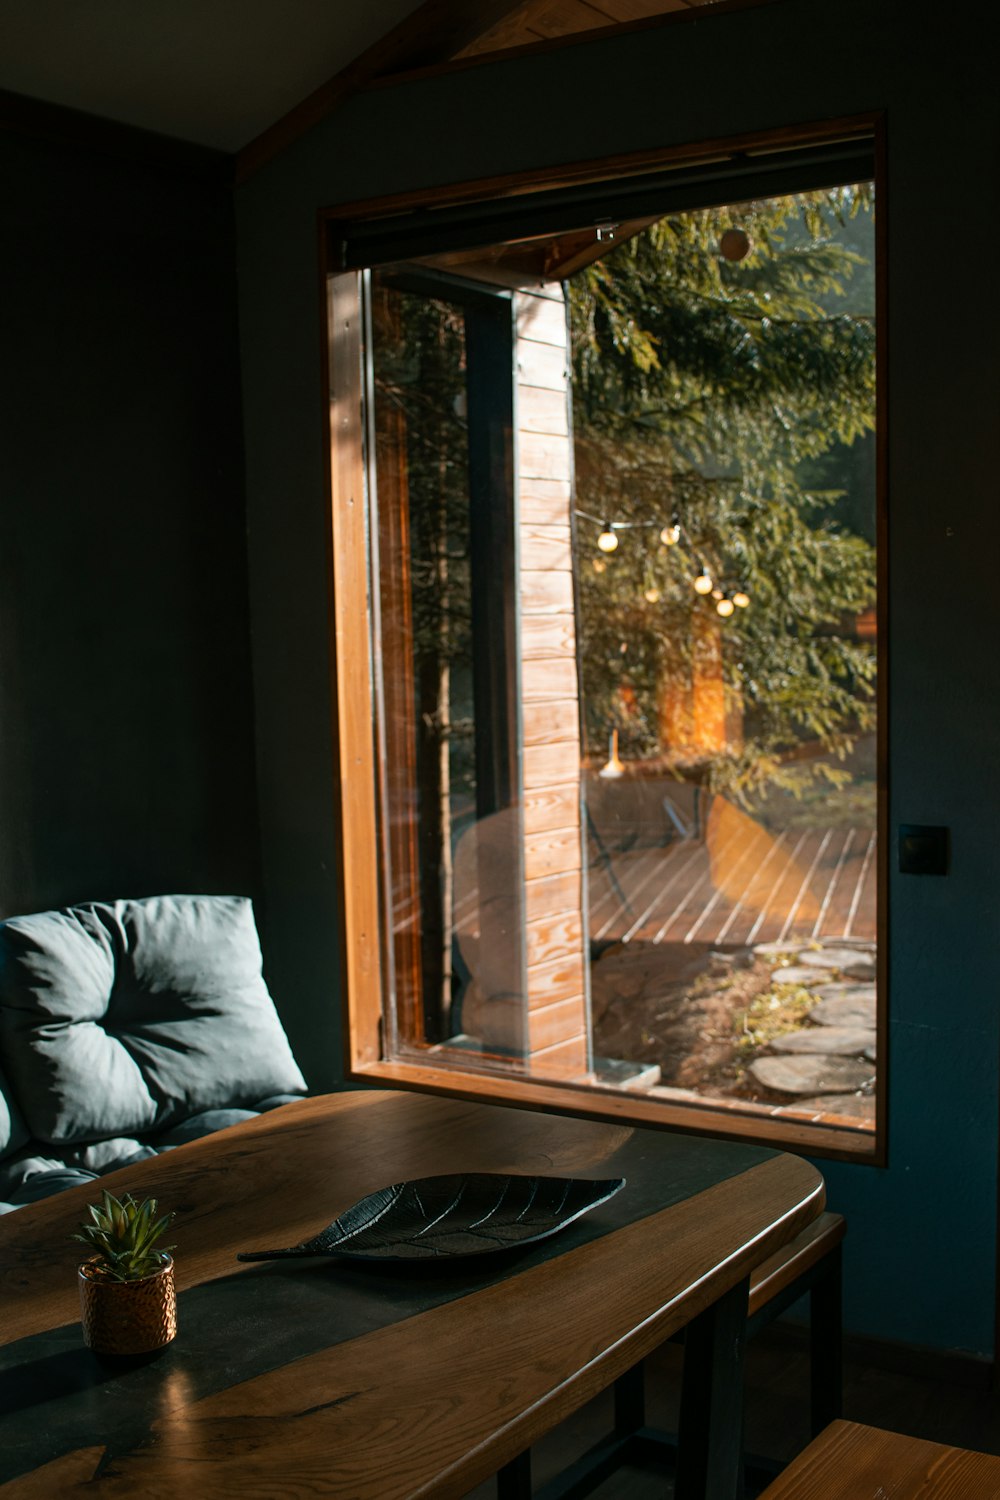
(707, 393)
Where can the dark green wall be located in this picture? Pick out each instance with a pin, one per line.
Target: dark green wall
(126, 754)
(922, 1240)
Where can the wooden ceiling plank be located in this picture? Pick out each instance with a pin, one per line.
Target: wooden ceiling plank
(567, 18)
(513, 31)
(436, 32)
(641, 10)
(542, 20)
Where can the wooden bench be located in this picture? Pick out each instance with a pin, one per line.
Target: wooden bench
(809, 1264)
(850, 1462)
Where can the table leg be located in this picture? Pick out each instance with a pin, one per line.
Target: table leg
(710, 1433)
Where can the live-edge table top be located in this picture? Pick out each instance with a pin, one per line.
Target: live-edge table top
(332, 1378)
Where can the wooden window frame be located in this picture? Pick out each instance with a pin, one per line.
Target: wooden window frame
(352, 553)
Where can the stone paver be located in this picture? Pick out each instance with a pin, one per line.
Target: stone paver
(799, 974)
(854, 989)
(831, 958)
(775, 950)
(812, 1074)
(841, 1041)
(852, 1005)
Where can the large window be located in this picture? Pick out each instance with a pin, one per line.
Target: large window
(617, 704)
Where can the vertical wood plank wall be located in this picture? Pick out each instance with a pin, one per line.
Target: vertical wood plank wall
(555, 876)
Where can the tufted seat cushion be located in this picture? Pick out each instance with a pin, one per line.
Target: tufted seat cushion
(120, 1019)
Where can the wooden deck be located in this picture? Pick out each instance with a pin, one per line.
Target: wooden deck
(737, 886)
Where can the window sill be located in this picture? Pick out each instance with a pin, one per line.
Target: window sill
(782, 1127)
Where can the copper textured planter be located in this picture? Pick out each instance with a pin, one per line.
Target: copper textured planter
(127, 1317)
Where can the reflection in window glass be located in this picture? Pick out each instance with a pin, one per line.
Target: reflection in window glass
(626, 556)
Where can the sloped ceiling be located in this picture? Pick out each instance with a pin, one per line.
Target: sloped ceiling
(238, 74)
(215, 72)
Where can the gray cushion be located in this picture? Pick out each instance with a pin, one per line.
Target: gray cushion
(13, 1131)
(28, 1175)
(126, 1017)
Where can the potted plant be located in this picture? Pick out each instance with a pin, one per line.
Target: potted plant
(127, 1301)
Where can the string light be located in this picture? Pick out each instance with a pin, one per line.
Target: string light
(670, 535)
(741, 599)
(651, 595)
(607, 541)
(725, 607)
(599, 565)
(703, 583)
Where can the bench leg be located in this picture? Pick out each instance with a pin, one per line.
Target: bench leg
(710, 1437)
(630, 1401)
(826, 1361)
(514, 1479)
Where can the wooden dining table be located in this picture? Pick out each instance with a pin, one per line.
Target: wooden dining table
(378, 1381)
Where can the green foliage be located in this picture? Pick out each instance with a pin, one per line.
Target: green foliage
(716, 393)
(771, 1014)
(123, 1234)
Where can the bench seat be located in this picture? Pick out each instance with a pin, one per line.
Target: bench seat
(852, 1462)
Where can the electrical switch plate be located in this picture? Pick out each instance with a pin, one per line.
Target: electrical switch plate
(923, 849)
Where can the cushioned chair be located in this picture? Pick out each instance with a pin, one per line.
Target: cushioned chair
(127, 1028)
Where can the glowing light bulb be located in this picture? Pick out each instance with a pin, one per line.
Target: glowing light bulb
(703, 583)
(651, 595)
(599, 565)
(740, 599)
(670, 535)
(607, 541)
(725, 607)
(716, 593)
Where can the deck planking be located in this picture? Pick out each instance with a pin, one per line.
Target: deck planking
(810, 885)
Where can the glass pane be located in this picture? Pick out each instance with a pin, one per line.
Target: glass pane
(724, 407)
(626, 597)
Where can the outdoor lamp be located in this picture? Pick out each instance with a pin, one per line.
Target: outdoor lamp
(607, 541)
(734, 244)
(670, 535)
(741, 599)
(614, 766)
(703, 583)
(725, 607)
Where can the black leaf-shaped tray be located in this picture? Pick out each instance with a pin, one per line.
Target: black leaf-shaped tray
(434, 1217)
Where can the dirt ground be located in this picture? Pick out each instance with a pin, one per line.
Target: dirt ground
(685, 1009)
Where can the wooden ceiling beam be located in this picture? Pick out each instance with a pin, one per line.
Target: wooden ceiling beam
(435, 32)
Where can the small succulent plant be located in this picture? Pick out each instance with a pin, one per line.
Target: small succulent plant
(122, 1235)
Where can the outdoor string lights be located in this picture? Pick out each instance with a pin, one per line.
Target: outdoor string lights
(727, 601)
